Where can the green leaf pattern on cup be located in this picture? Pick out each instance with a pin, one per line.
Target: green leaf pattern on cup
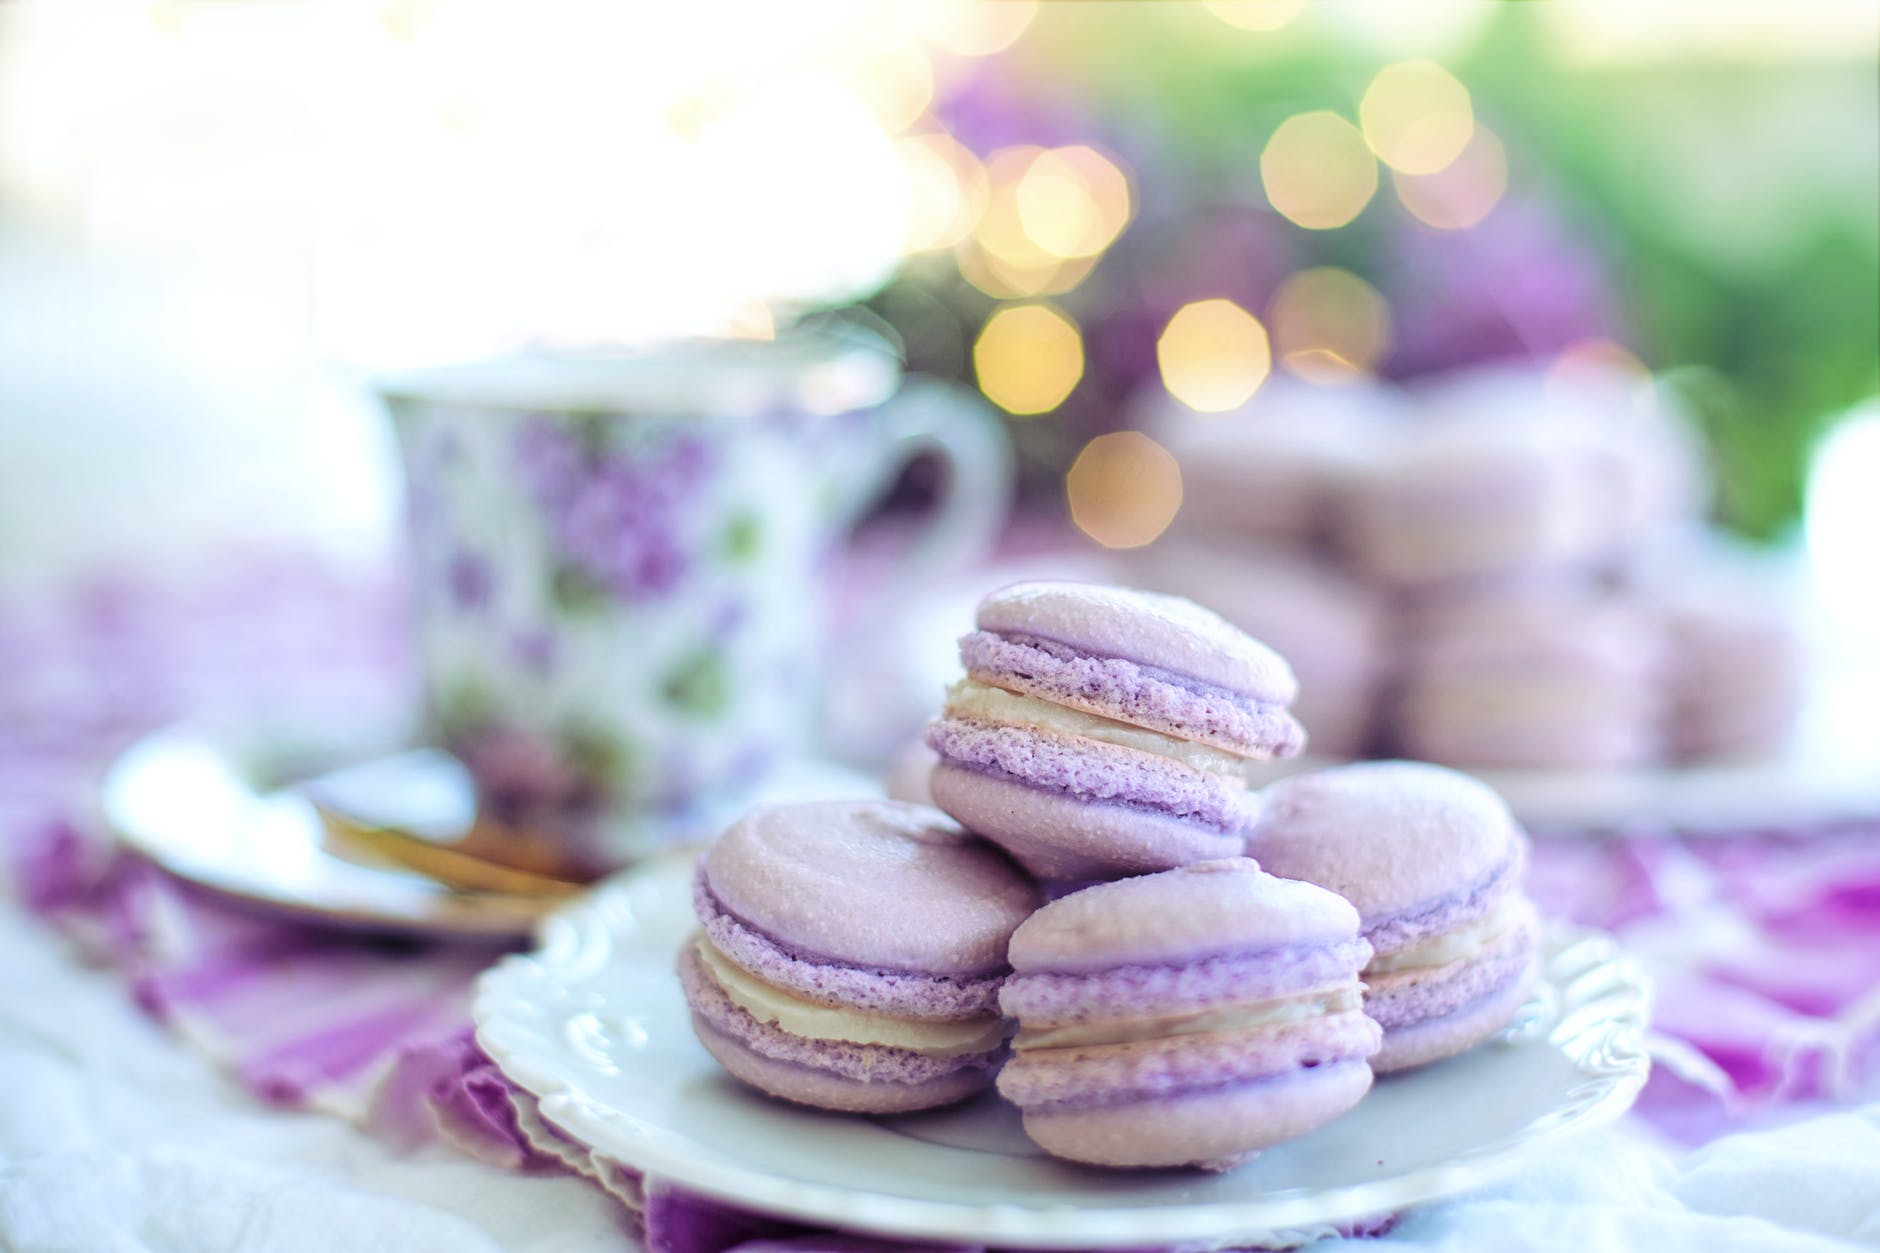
(700, 685)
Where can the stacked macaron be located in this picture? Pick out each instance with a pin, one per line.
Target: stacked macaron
(1433, 862)
(1275, 470)
(1102, 732)
(851, 954)
(1542, 675)
(1190, 1017)
(1329, 627)
(1475, 499)
(1736, 672)
(1192, 1005)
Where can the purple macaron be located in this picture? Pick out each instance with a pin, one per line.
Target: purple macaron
(851, 954)
(1433, 861)
(1331, 628)
(1737, 668)
(1542, 676)
(1187, 1018)
(1103, 732)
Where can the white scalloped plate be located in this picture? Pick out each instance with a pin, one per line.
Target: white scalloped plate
(594, 1025)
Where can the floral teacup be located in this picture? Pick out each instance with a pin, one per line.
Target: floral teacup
(616, 566)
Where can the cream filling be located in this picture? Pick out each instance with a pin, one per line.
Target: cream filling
(968, 699)
(1267, 1013)
(1464, 941)
(769, 1003)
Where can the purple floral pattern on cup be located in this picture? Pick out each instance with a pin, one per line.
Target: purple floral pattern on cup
(617, 517)
(618, 612)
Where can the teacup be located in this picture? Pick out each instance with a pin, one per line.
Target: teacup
(616, 567)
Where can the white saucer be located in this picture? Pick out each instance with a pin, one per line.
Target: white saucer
(1811, 786)
(595, 1026)
(209, 809)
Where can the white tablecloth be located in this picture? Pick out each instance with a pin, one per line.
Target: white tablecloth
(116, 1138)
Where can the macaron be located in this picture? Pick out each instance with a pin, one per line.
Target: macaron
(1271, 472)
(851, 953)
(1546, 676)
(1737, 671)
(1186, 1018)
(1635, 439)
(1102, 732)
(1433, 862)
(1332, 629)
(1478, 496)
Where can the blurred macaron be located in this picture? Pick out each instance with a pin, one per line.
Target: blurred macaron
(1329, 626)
(1273, 470)
(1544, 675)
(1475, 496)
(1737, 673)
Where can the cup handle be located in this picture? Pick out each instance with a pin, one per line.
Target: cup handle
(956, 425)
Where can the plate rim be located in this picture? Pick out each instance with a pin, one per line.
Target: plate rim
(422, 908)
(1611, 1062)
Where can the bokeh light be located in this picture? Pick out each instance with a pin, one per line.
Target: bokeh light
(1009, 280)
(1213, 355)
(1329, 325)
(1256, 15)
(1595, 359)
(1028, 358)
(1124, 489)
(1462, 193)
(1072, 202)
(1416, 117)
(1002, 258)
(751, 320)
(1317, 170)
(980, 28)
(947, 190)
(897, 86)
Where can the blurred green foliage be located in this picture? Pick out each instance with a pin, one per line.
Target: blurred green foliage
(1737, 203)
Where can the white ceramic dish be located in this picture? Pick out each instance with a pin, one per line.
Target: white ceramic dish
(1805, 789)
(209, 809)
(594, 1025)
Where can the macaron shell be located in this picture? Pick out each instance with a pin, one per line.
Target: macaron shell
(1060, 837)
(1103, 1074)
(1167, 632)
(822, 1089)
(1094, 771)
(1330, 628)
(1389, 837)
(1468, 903)
(1227, 905)
(1578, 732)
(831, 1069)
(903, 994)
(1215, 1127)
(1050, 999)
(1401, 998)
(881, 884)
(1126, 691)
(1434, 1039)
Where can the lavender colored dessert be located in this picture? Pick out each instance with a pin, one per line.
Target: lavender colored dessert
(1187, 1018)
(1329, 626)
(1103, 732)
(1433, 861)
(1478, 495)
(1547, 676)
(851, 953)
(1738, 668)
